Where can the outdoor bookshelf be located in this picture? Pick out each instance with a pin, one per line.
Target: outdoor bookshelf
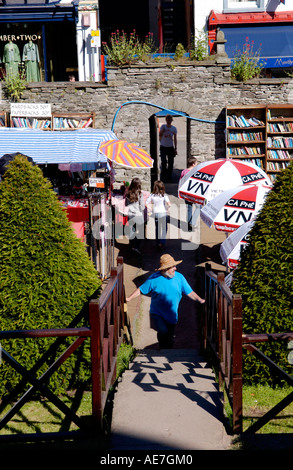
(261, 134)
(54, 122)
(279, 138)
(71, 121)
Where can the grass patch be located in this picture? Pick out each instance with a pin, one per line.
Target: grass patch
(42, 416)
(259, 399)
(125, 355)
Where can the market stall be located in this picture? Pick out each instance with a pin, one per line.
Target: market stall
(70, 160)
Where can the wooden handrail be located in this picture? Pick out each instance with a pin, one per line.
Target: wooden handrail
(263, 337)
(53, 332)
(107, 320)
(223, 334)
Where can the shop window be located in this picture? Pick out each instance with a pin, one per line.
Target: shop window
(236, 6)
(45, 51)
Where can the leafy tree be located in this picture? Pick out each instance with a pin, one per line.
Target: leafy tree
(264, 278)
(46, 276)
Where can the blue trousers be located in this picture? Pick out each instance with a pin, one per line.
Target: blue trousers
(165, 331)
(192, 214)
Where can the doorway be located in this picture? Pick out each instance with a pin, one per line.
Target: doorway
(182, 124)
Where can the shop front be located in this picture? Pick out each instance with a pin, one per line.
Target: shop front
(269, 34)
(50, 41)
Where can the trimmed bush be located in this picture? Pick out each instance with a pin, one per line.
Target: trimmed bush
(264, 278)
(46, 275)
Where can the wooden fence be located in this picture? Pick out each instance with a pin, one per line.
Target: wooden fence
(107, 322)
(223, 335)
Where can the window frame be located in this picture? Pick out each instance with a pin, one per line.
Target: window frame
(244, 6)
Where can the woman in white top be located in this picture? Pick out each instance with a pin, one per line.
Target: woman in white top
(134, 200)
(159, 201)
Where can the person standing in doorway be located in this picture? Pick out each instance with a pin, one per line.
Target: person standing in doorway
(168, 147)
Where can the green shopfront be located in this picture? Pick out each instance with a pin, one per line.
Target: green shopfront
(50, 41)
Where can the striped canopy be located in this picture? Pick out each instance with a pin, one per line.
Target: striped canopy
(124, 153)
(77, 146)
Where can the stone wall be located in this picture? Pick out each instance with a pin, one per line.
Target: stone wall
(200, 90)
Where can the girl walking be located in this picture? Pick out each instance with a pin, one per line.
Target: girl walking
(159, 201)
(135, 201)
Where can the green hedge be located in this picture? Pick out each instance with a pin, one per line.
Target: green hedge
(46, 275)
(264, 278)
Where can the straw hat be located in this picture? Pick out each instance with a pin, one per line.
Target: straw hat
(166, 262)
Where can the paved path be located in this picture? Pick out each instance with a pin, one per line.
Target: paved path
(169, 399)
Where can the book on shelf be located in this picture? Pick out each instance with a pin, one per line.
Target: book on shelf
(256, 161)
(241, 121)
(277, 166)
(31, 123)
(244, 150)
(280, 127)
(71, 123)
(245, 136)
(278, 154)
(280, 142)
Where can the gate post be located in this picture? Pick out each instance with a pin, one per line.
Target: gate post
(237, 364)
(96, 363)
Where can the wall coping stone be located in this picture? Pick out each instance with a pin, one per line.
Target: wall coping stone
(66, 85)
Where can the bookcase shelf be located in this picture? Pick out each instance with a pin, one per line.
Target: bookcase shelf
(279, 138)
(56, 121)
(31, 122)
(262, 134)
(71, 121)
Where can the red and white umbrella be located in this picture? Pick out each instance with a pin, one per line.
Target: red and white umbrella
(208, 179)
(233, 207)
(232, 248)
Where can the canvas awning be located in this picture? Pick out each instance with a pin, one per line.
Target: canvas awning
(274, 42)
(38, 11)
(44, 147)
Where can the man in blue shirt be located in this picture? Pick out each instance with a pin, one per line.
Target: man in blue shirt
(166, 287)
